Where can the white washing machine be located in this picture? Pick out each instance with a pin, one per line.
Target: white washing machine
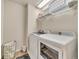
(49, 46)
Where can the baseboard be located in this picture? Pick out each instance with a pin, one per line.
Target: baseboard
(18, 50)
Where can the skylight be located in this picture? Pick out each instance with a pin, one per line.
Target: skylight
(43, 3)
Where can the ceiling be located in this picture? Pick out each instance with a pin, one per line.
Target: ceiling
(23, 2)
(34, 2)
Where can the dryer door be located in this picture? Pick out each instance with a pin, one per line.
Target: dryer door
(49, 51)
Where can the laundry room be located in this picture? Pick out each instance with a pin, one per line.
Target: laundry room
(39, 29)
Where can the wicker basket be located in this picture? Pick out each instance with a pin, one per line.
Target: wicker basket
(9, 50)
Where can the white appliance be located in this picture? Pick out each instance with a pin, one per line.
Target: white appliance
(56, 46)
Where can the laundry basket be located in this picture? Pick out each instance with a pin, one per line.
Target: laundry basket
(9, 50)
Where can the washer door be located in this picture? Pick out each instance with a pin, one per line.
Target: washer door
(48, 51)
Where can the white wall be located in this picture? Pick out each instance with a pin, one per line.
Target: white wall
(62, 22)
(2, 21)
(32, 17)
(13, 22)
